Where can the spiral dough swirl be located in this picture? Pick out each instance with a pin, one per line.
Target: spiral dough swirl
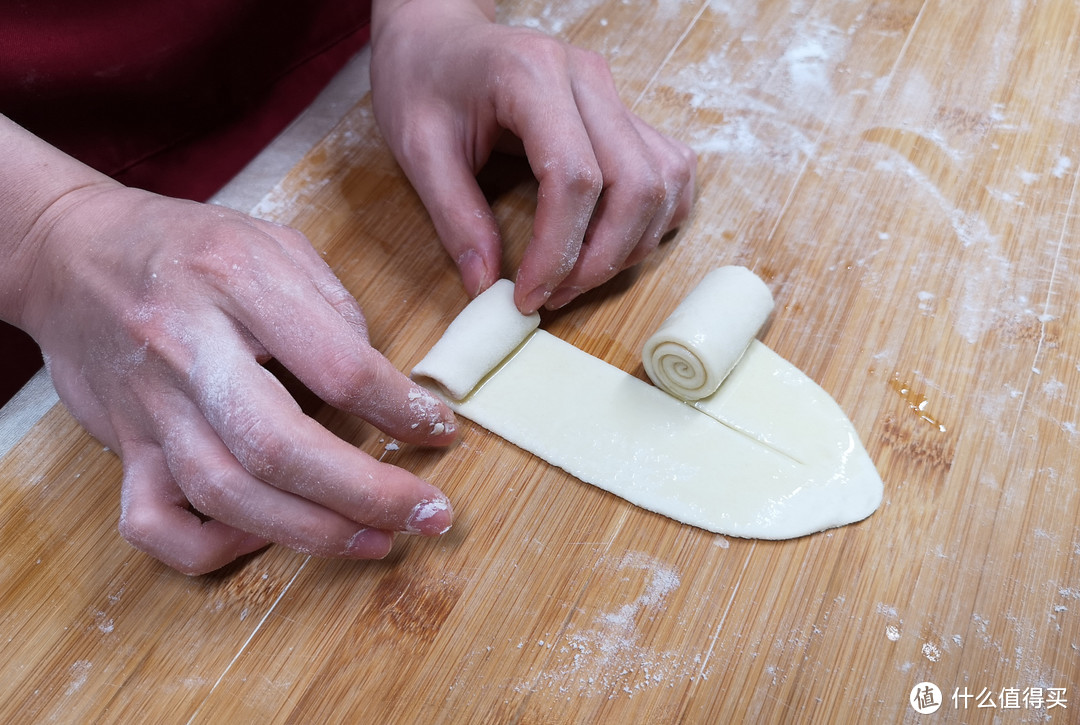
(703, 339)
(682, 372)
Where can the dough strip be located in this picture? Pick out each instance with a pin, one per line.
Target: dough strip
(610, 429)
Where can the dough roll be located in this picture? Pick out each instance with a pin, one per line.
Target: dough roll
(704, 338)
(477, 341)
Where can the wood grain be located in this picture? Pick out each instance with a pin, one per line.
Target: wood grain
(903, 174)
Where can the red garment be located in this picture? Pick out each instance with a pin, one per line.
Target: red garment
(173, 97)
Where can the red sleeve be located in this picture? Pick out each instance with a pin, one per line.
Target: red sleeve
(173, 97)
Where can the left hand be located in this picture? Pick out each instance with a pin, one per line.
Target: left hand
(447, 82)
(155, 314)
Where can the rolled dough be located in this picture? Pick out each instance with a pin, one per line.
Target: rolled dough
(704, 338)
(767, 455)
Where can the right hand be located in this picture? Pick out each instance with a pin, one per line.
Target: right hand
(449, 85)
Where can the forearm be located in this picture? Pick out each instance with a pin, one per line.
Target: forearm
(34, 178)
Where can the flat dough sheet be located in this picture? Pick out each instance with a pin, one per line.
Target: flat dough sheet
(768, 455)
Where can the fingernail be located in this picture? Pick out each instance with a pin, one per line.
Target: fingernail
(423, 404)
(562, 297)
(369, 544)
(430, 518)
(473, 272)
(536, 299)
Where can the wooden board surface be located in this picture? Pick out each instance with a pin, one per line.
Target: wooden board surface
(903, 174)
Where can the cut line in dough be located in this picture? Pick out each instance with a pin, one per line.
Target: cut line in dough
(767, 455)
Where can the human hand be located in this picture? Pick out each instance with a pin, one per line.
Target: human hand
(154, 316)
(447, 82)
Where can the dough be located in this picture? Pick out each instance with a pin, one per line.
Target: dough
(768, 455)
(707, 334)
(481, 337)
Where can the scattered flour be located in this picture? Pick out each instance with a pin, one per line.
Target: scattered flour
(104, 623)
(1027, 178)
(807, 64)
(1053, 388)
(1061, 167)
(887, 610)
(608, 658)
(425, 406)
(754, 126)
(554, 19)
(931, 651)
(79, 673)
(892, 629)
(987, 271)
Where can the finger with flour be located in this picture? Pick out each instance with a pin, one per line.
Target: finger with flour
(276, 443)
(295, 309)
(156, 518)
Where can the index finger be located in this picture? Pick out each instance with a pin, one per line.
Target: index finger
(271, 437)
(536, 102)
(300, 313)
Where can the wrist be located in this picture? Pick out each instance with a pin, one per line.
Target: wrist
(421, 14)
(38, 185)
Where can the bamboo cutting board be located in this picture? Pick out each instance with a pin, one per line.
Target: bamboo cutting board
(903, 175)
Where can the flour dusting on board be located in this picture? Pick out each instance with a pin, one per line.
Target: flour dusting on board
(554, 19)
(560, 18)
(1061, 167)
(609, 657)
(299, 189)
(766, 111)
(753, 125)
(282, 199)
(894, 624)
(78, 674)
(987, 271)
